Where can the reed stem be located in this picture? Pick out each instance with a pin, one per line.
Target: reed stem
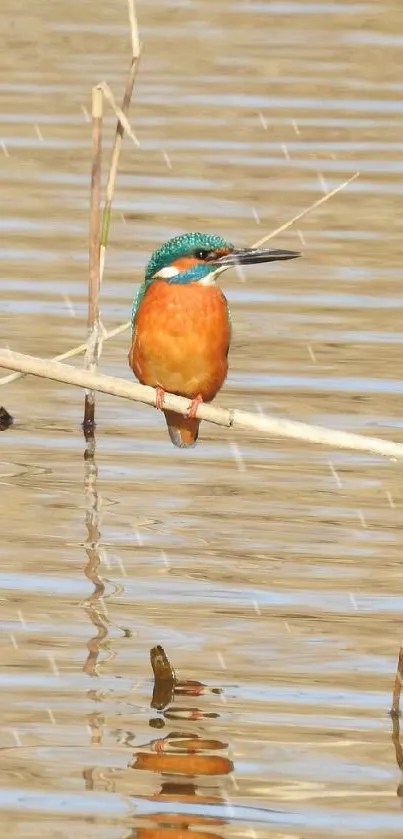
(262, 424)
(93, 344)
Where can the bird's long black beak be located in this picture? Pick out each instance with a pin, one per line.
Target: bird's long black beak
(250, 256)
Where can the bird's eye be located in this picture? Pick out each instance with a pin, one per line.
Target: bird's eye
(201, 254)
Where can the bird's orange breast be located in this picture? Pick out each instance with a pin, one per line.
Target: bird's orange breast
(181, 339)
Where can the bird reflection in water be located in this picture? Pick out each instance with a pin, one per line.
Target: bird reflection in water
(182, 759)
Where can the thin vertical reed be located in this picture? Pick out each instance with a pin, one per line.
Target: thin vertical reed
(92, 353)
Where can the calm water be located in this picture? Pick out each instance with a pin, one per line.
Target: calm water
(270, 571)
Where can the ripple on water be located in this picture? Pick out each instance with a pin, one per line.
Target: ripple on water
(270, 571)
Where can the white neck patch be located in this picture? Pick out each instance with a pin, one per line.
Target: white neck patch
(209, 279)
(166, 273)
(170, 271)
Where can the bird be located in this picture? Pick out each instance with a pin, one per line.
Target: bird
(181, 323)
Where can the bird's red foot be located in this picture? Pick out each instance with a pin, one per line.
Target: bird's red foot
(159, 399)
(159, 745)
(194, 406)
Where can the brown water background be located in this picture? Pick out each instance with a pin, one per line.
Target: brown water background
(271, 571)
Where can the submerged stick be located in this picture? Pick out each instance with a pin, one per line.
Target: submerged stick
(164, 678)
(397, 689)
(92, 354)
(395, 713)
(5, 419)
(5, 380)
(219, 416)
(162, 667)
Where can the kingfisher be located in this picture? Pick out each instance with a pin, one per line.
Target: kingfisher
(181, 323)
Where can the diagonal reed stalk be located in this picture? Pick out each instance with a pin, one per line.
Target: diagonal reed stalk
(305, 212)
(120, 130)
(92, 353)
(124, 326)
(273, 426)
(296, 218)
(122, 118)
(110, 187)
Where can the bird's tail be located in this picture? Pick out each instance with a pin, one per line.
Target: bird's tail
(183, 431)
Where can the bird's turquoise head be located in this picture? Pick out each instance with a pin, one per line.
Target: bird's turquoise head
(187, 258)
(195, 257)
(192, 257)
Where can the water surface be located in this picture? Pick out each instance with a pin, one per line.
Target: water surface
(269, 570)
